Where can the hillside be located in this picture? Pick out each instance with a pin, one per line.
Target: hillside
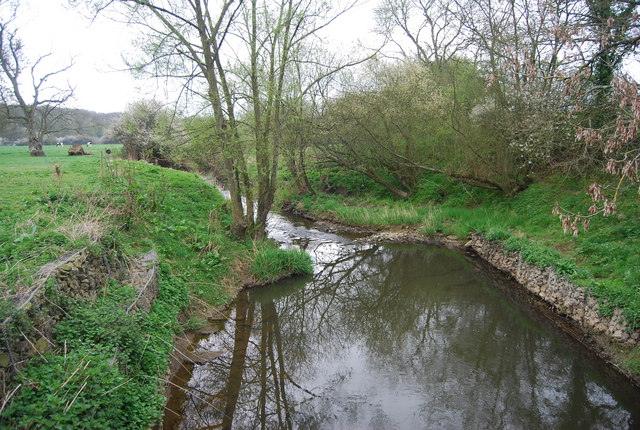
(76, 125)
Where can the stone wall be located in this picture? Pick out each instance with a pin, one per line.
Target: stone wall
(81, 274)
(143, 275)
(567, 298)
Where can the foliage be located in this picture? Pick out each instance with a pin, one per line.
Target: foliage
(81, 389)
(271, 264)
(383, 124)
(407, 118)
(147, 131)
(332, 180)
(109, 372)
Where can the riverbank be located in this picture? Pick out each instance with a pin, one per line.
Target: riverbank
(115, 211)
(601, 310)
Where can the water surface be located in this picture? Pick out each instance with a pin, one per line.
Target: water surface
(396, 337)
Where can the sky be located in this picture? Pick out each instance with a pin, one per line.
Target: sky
(98, 75)
(49, 26)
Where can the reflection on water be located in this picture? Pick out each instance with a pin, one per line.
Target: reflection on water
(393, 337)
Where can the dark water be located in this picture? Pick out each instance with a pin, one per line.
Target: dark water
(396, 337)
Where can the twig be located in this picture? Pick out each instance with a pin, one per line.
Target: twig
(74, 399)
(6, 400)
(32, 345)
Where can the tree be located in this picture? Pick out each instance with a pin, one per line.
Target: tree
(147, 131)
(236, 55)
(41, 114)
(434, 28)
(379, 127)
(401, 120)
(606, 111)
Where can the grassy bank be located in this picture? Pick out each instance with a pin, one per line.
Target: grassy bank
(58, 203)
(604, 259)
(106, 367)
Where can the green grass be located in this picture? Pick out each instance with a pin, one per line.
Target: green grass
(364, 212)
(43, 214)
(131, 206)
(124, 208)
(271, 264)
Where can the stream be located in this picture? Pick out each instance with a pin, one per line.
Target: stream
(393, 337)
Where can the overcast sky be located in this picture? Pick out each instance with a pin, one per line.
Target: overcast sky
(97, 47)
(50, 26)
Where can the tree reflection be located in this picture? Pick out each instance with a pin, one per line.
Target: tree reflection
(386, 337)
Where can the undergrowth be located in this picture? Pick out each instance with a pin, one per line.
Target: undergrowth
(107, 368)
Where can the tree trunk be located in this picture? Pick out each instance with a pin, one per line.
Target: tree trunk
(35, 147)
(396, 191)
(244, 321)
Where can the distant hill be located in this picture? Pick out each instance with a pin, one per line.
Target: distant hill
(78, 126)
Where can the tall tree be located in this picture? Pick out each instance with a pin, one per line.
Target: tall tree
(236, 54)
(34, 104)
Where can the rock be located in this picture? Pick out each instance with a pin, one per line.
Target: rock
(5, 361)
(42, 344)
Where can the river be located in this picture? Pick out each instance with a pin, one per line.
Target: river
(394, 337)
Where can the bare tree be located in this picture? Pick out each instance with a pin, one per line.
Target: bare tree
(35, 104)
(236, 55)
(434, 28)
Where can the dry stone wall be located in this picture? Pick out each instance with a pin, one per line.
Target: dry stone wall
(567, 298)
(81, 274)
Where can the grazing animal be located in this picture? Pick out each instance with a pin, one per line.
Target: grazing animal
(60, 143)
(88, 144)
